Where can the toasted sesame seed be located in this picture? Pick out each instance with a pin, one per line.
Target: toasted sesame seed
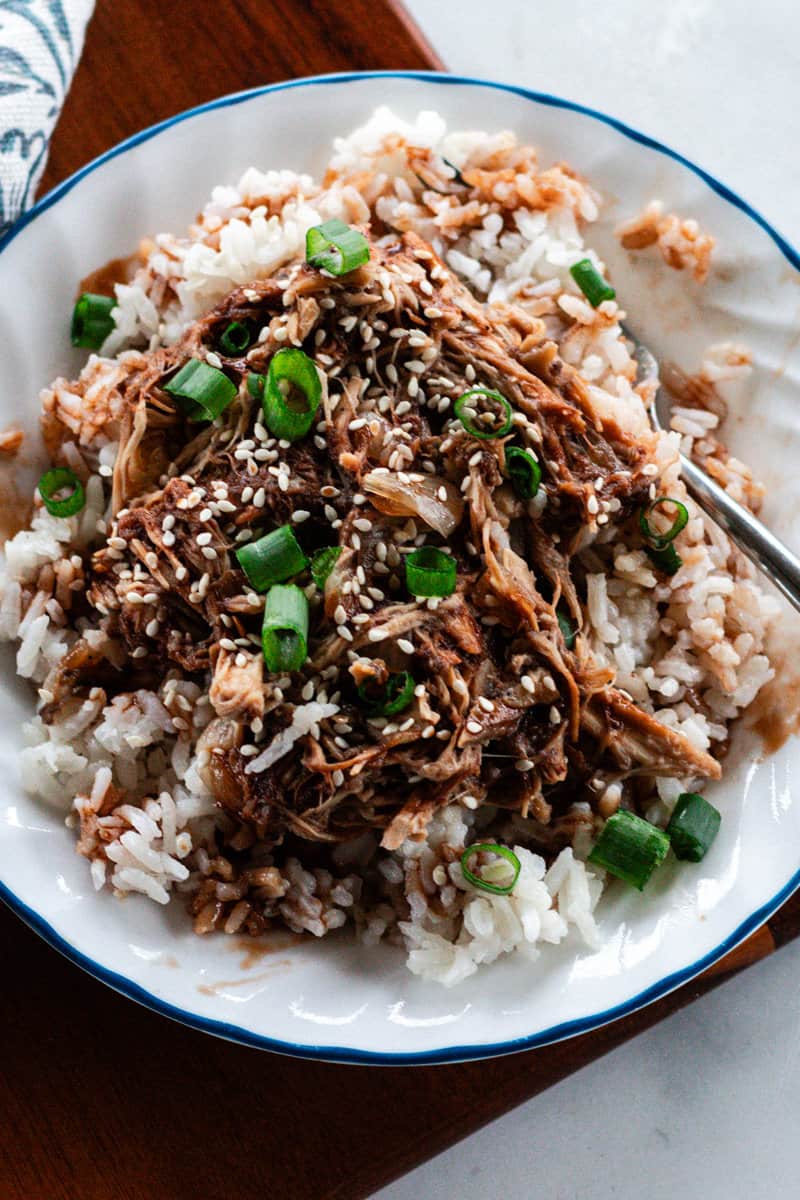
(523, 764)
(227, 644)
(150, 598)
(181, 573)
(140, 652)
(363, 524)
(528, 684)
(357, 423)
(152, 627)
(474, 727)
(405, 645)
(344, 632)
(378, 634)
(555, 715)
(209, 552)
(213, 359)
(485, 704)
(340, 615)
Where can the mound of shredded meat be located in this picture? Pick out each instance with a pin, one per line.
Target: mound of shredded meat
(505, 711)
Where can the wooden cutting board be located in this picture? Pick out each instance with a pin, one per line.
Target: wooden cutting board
(100, 1097)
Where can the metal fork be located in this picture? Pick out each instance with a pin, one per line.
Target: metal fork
(752, 537)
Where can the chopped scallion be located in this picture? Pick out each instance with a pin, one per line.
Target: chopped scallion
(58, 480)
(291, 395)
(693, 826)
(336, 247)
(397, 695)
(235, 339)
(91, 320)
(493, 420)
(323, 562)
(203, 391)
(284, 634)
(524, 472)
(430, 572)
(272, 559)
(591, 282)
(630, 848)
(657, 540)
(486, 881)
(667, 560)
(568, 630)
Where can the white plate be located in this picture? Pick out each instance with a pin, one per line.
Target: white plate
(335, 999)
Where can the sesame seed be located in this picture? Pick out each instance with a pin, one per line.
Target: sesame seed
(206, 514)
(555, 715)
(300, 515)
(405, 645)
(485, 704)
(105, 471)
(139, 652)
(150, 598)
(259, 498)
(308, 690)
(377, 634)
(474, 727)
(203, 539)
(227, 644)
(213, 359)
(523, 764)
(415, 365)
(528, 684)
(209, 552)
(151, 628)
(344, 632)
(181, 573)
(358, 423)
(330, 512)
(363, 524)
(340, 615)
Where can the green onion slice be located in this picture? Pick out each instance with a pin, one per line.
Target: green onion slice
(591, 282)
(492, 870)
(91, 320)
(235, 339)
(524, 472)
(203, 391)
(667, 560)
(323, 562)
(291, 395)
(493, 421)
(568, 630)
(284, 634)
(397, 695)
(272, 559)
(430, 572)
(657, 540)
(693, 826)
(630, 848)
(336, 247)
(56, 480)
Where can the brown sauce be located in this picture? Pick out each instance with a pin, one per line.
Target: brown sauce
(255, 949)
(224, 985)
(775, 713)
(15, 508)
(116, 270)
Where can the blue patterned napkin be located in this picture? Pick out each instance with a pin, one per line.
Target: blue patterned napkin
(40, 44)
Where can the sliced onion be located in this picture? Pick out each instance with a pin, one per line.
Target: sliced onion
(418, 498)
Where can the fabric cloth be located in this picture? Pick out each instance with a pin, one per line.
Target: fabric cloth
(40, 44)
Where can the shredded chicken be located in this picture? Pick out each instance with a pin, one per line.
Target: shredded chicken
(504, 710)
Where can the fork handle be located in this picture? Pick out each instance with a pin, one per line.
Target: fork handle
(753, 539)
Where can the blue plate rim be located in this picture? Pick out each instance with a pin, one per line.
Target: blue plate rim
(348, 1054)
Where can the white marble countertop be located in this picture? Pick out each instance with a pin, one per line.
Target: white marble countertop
(706, 1104)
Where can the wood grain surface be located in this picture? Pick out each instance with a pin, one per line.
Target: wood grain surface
(101, 1098)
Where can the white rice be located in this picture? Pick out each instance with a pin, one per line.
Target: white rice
(718, 615)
